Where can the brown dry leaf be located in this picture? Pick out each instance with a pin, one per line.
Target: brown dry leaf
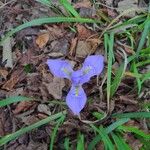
(94, 43)
(84, 3)
(55, 32)
(83, 32)
(3, 73)
(55, 87)
(42, 39)
(28, 120)
(22, 106)
(83, 49)
(17, 76)
(73, 46)
(7, 52)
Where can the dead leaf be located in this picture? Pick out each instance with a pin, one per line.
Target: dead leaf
(94, 43)
(44, 109)
(7, 52)
(83, 49)
(127, 4)
(84, 3)
(17, 76)
(55, 87)
(22, 106)
(55, 32)
(28, 120)
(42, 39)
(83, 32)
(3, 73)
(73, 46)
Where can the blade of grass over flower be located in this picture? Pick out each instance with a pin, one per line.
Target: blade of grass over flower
(134, 130)
(45, 2)
(40, 21)
(53, 135)
(118, 75)
(132, 115)
(109, 129)
(69, 8)
(80, 142)
(22, 131)
(104, 137)
(120, 143)
(10, 100)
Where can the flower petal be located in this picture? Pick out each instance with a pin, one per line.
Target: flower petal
(60, 68)
(76, 99)
(93, 65)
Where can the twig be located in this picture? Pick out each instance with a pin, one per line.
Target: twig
(5, 4)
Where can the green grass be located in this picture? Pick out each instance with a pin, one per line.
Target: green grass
(15, 99)
(24, 130)
(111, 136)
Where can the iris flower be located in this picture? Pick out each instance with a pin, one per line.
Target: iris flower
(76, 98)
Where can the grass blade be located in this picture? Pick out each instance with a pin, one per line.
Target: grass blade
(143, 37)
(80, 143)
(22, 131)
(109, 129)
(45, 2)
(120, 143)
(55, 131)
(132, 115)
(109, 70)
(40, 21)
(10, 100)
(66, 144)
(104, 137)
(69, 8)
(118, 76)
(135, 130)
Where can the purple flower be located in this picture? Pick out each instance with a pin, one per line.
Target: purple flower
(76, 98)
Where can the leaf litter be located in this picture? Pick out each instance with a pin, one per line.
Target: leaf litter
(32, 47)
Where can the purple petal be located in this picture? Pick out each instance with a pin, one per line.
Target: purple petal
(93, 65)
(60, 68)
(76, 77)
(76, 99)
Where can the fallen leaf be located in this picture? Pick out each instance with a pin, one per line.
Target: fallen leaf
(22, 106)
(55, 87)
(84, 3)
(44, 109)
(83, 49)
(7, 52)
(126, 5)
(94, 43)
(42, 39)
(3, 73)
(16, 76)
(55, 32)
(73, 46)
(28, 120)
(83, 32)
(60, 46)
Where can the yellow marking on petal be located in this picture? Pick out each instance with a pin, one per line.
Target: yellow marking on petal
(66, 71)
(76, 91)
(87, 70)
